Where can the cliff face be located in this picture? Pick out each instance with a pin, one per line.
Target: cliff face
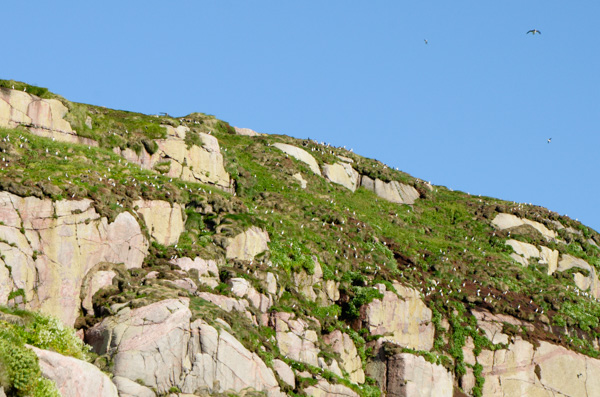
(199, 259)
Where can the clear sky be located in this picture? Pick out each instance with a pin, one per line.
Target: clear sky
(471, 110)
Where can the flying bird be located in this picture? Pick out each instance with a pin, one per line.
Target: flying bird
(549, 140)
(425, 41)
(534, 31)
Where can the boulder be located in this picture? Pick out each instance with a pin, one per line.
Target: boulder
(242, 288)
(342, 174)
(73, 377)
(157, 346)
(400, 318)
(129, 388)
(285, 373)
(246, 132)
(343, 345)
(223, 363)
(393, 191)
(326, 389)
(61, 243)
(208, 272)
(294, 338)
(508, 221)
(413, 376)
(248, 244)
(163, 220)
(225, 302)
(301, 155)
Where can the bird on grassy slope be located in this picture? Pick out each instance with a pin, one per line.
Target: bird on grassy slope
(534, 31)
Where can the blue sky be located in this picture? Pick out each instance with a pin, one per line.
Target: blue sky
(471, 110)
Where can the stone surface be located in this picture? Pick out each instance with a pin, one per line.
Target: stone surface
(342, 174)
(413, 376)
(163, 220)
(301, 155)
(507, 221)
(94, 283)
(195, 163)
(586, 283)
(549, 257)
(326, 389)
(61, 243)
(246, 245)
(393, 191)
(299, 178)
(294, 338)
(403, 319)
(246, 132)
(129, 388)
(225, 302)
(285, 372)
(240, 287)
(44, 117)
(343, 345)
(549, 370)
(492, 325)
(207, 269)
(73, 377)
(523, 251)
(158, 346)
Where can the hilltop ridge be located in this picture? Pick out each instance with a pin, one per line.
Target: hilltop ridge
(233, 262)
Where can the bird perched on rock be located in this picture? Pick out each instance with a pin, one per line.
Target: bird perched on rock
(534, 31)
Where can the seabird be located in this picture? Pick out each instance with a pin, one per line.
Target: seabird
(534, 31)
(425, 41)
(549, 140)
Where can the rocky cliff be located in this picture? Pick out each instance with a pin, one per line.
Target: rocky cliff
(194, 259)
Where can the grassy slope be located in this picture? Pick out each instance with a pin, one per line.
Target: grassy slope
(443, 243)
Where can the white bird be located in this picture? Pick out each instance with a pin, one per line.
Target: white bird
(549, 140)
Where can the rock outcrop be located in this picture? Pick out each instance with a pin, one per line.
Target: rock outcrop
(175, 158)
(295, 339)
(343, 174)
(412, 376)
(585, 282)
(326, 389)
(393, 191)
(44, 117)
(299, 154)
(159, 346)
(206, 269)
(548, 370)
(246, 131)
(400, 318)
(245, 246)
(509, 221)
(163, 220)
(343, 345)
(73, 377)
(49, 247)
